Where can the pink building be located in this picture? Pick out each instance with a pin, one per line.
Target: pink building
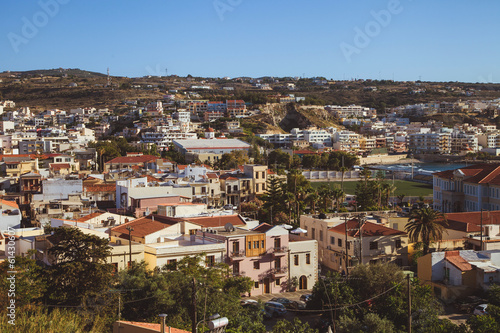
(260, 253)
(140, 205)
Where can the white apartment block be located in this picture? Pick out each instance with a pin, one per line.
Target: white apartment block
(430, 143)
(351, 111)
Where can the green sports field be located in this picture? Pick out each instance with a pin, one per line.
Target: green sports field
(402, 187)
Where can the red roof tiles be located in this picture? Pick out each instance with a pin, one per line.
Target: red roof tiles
(146, 225)
(369, 229)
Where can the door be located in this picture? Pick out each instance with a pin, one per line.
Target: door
(267, 286)
(303, 282)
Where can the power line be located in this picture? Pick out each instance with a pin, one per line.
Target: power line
(345, 306)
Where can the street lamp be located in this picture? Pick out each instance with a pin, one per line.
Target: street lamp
(130, 229)
(163, 316)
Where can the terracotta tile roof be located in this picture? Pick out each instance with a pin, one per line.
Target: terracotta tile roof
(471, 221)
(217, 221)
(212, 175)
(156, 327)
(100, 188)
(132, 159)
(263, 227)
(454, 258)
(9, 203)
(369, 229)
(89, 217)
(181, 166)
(146, 225)
(478, 173)
(59, 166)
(152, 179)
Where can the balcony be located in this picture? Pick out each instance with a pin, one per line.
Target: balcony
(237, 255)
(279, 251)
(279, 271)
(238, 273)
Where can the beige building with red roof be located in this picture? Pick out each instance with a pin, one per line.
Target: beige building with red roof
(468, 189)
(130, 161)
(375, 243)
(455, 274)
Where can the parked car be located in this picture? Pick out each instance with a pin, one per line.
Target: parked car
(480, 309)
(285, 301)
(228, 207)
(468, 304)
(306, 297)
(275, 309)
(249, 302)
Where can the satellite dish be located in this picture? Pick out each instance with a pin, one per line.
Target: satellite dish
(229, 227)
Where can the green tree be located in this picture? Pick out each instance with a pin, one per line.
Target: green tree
(29, 282)
(295, 326)
(426, 225)
(79, 271)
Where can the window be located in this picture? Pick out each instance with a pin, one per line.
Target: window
(256, 175)
(262, 242)
(373, 245)
(210, 261)
(348, 244)
(398, 243)
(308, 258)
(339, 242)
(313, 233)
(256, 244)
(277, 263)
(296, 260)
(278, 282)
(256, 265)
(249, 245)
(277, 243)
(235, 188)
(256, 284)
(236, 247)
(321, 235)
(332, 240)
(256, 187)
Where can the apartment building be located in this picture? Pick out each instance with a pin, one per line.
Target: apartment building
(346, 141)
(429, 143)
(351, 111)
(236, 108)
(467, 189)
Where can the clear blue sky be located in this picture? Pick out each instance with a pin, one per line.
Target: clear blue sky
(432, 40)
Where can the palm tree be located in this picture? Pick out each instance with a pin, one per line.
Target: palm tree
(343, 170)
(339, 196)
(325, 197)
(401, 197)
(311, 199)
(426, 225)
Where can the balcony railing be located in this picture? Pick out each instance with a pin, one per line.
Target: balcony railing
(237, 254)
(279, 271)
(239, 273)
(281, 249)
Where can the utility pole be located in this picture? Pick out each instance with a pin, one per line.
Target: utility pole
(361, 223)
(409, 303)
(130, 229)
(481, 229)
(346, 249)
(194, 319)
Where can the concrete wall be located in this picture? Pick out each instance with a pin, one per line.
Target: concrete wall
(54, 189)
(310, 271)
